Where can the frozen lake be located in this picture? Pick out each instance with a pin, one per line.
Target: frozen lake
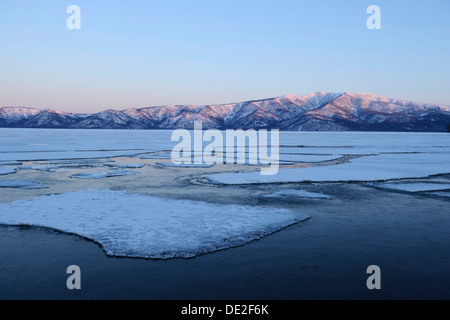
(340, 202)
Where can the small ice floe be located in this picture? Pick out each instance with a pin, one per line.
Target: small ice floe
(293, 193)
(156, 156)
(126, 165)
(191, 165)
(120, 173)
(414, 187)
(307, 158)
(168, 155)
(136, 225)
(21, 184)
(7, 170)
(102, 175)
(259, 164)
(78, 161)
(96, 175)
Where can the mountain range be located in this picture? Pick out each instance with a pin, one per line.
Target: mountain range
(320, 111)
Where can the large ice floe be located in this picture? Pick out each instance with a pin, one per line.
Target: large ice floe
(369, 168)
(136, 225)
(126, 165)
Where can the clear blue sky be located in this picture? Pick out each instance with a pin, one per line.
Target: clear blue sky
(143, 53)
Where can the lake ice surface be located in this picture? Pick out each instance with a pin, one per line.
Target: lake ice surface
(140, 225)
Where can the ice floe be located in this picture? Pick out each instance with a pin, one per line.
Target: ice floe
(21, 184)
(287, 158)
(102, 175)
(136, 225)
(120, 173)
(78, 162)
(192, 165)
(156, 156)
(66, 164)
(370, 168)
(294, 193)
(126, 165)
(308, 157)
(95, 175)
(414, 187)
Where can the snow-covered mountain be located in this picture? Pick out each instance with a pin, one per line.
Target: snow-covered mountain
(314, 112)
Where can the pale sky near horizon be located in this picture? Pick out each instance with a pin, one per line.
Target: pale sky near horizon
(146, 53)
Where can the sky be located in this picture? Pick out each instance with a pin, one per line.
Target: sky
(147, 53)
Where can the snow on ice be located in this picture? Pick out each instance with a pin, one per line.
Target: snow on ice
(137, 225)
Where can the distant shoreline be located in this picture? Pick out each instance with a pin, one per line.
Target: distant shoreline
(323, 112)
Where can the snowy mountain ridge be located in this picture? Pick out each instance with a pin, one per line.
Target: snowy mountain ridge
(320, 111)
